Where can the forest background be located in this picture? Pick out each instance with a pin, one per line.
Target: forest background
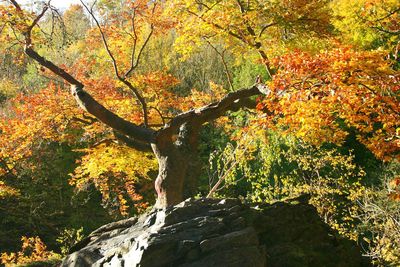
(325, 124)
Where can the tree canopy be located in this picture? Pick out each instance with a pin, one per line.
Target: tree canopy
(134, 86)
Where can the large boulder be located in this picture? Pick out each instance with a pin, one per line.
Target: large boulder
(212, 232)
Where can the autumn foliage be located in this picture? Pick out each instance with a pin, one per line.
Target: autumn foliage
(32, 250)
(310, 88)
(321, 97)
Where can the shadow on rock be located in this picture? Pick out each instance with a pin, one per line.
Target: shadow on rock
(214, 232)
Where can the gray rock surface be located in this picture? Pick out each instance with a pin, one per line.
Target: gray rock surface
(212, 232)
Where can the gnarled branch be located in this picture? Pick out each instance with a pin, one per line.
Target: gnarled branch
(231, 102)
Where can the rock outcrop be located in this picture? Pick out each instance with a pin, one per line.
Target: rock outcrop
(211, 232)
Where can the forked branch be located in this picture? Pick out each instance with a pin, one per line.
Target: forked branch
(124, 79)
(136, 59)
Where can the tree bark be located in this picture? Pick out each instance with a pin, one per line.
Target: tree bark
(179, 165)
